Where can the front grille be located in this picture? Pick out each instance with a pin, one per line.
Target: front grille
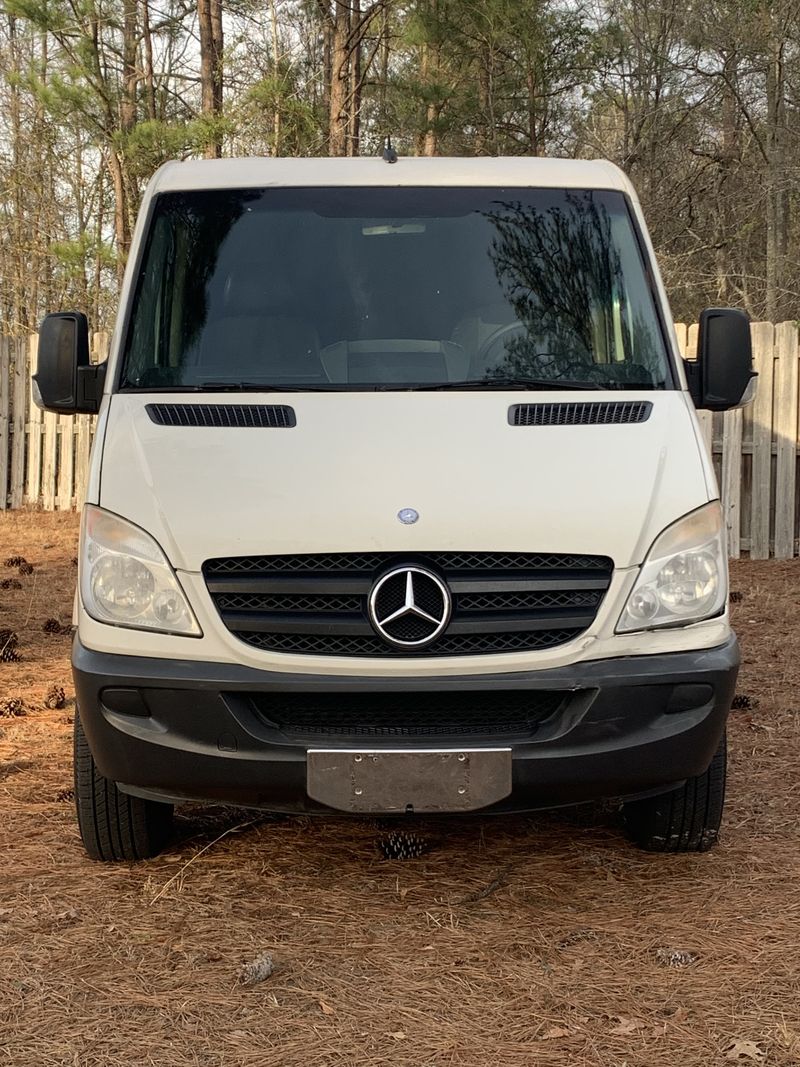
(339, 716)
(317, 604)
(586, 413)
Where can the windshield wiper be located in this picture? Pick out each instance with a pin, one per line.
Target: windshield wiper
(509, 383)
(253, 387)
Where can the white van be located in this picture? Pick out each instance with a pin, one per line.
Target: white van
(398, 503)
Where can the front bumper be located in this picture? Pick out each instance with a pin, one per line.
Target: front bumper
(178, 730)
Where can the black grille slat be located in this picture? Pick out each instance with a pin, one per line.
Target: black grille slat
(284, 585)
(316, 604)
(448, 645)
(286, 602)
(474, 584)
(409, 714)
(300, 623)
(580, 413)
(231, 416)
(344, 562)
(503, 622)
(528, 601)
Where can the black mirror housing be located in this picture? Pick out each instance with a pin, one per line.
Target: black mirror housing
(722, 377)
(65, 381)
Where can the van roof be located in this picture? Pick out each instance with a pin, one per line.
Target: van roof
(519, 171)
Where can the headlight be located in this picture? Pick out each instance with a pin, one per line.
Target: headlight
(684, 577)
(126, 579)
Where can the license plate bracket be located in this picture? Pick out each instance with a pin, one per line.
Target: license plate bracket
(405, 780)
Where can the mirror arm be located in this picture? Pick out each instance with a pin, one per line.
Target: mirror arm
(90, 383)
(694, 380)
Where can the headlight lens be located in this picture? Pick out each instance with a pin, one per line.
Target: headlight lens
(684, 577)
(126, 580)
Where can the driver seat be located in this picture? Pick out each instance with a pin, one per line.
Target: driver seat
(257, 331)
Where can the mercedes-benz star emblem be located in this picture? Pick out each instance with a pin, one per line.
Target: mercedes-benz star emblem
(410, 607)
(408, 516)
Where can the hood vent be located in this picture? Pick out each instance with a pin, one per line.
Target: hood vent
(258, 416)
(587, 413)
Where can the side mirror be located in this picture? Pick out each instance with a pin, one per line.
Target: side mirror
(722, 377)
(65, 381)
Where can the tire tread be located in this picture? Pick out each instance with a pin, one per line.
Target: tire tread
(686, 819)
(114, 826)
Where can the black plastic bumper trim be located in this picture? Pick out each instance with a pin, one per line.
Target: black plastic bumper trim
(633, 726)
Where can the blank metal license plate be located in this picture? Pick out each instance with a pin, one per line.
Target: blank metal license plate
(409, 780)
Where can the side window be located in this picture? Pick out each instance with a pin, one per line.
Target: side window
(151, 327)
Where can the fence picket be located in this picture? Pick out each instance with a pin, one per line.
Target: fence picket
(5, 421)
(18, 412)
(786, 377)
(33, 478)
(761, 494)
(49, 461)
(66, 461)
(706, 418)
(731, 487)
(83, 444)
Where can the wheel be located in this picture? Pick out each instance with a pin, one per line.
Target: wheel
(113, 825)
(684, 820)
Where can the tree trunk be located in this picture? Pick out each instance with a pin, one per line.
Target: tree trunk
(130, 75)
(430, 72)
(724, 222)
(276, 60)
(121, 226)
(483, 131)
(775, 177)
(209, 17)
(340, 78)
(149, 76)
(354, 88)
(17, 301)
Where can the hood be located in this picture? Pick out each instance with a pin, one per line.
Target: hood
(336, 480)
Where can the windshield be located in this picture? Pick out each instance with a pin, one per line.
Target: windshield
(393, 288)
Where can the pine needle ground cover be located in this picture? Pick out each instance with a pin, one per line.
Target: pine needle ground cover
(295, 942)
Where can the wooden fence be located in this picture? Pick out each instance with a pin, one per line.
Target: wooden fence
(44, 458)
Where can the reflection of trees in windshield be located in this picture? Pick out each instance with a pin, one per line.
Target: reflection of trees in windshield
(560, 270)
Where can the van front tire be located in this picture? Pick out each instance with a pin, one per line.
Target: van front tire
(686, 819)
(114, 827)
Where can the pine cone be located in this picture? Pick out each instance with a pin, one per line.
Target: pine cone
(52, 626)
(25, 568)
(402, 845)
(56, 697)
(8, 646)
(11, 583)
(743, 702)
(15, 561)
(74, 561)
(12, 708)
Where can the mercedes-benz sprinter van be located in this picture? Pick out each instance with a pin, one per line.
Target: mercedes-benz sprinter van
(398, 503)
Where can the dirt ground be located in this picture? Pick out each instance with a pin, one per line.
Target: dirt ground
(542, 940)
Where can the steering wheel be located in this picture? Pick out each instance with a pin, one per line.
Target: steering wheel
(494, 339)
(550, 364)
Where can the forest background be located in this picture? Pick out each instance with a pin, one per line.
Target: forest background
(698, 100)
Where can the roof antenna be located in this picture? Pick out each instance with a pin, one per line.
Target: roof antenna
(389, 154)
